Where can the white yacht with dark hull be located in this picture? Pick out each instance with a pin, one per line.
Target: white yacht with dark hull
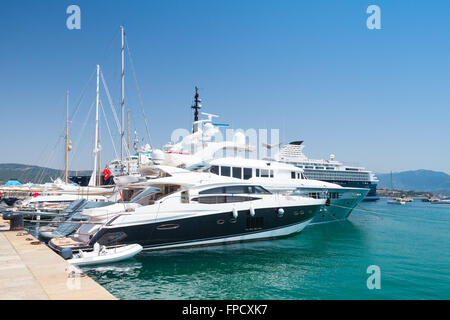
(196, 209)
(285, 178)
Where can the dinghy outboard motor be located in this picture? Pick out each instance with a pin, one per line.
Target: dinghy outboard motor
(16, 220)
(66, 253)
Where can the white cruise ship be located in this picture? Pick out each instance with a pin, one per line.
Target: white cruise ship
(329, 170)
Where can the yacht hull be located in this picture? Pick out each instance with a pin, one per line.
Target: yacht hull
(207, 229)
(342, 202)
(339, 209)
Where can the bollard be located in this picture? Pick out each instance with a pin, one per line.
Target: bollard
(16, 220)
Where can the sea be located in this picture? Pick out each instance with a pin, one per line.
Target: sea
(383, 251)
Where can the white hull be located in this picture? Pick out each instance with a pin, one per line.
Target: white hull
(112, 255)
(285, 231)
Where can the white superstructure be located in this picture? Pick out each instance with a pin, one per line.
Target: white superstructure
(329, 170)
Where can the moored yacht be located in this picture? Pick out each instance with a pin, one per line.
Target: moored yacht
(288, 179)
(196, 209)
(329, 170)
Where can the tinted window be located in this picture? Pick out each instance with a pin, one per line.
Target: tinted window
(225, 171)
(213, 191)
(261, 190)
(264, 173)
(271, 173)
(257, 173)
(223, 199)
(238, 189)
(145, 193)
(211, 199)
(237, 173)
(215, 169)
(240, 199)
(247, 173)
(292, 175)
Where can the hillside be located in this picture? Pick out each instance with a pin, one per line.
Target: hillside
(417, 180)
(35, 174)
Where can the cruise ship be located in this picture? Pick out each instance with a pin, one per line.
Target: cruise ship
(329, 170)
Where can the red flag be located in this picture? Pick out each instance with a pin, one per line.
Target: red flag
(106, 173)
(35, 195)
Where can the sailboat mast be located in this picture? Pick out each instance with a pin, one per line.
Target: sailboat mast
(97, 103)
(99, 175)
(128, 137)
(122, 99)
(66, 171)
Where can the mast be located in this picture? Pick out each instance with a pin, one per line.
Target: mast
(66, 171)
(97, 112)
(99, 175)
(196, 106)
(128, 130)
(122, 103)
(128, 136)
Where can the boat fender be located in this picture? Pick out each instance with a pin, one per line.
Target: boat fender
(66, 253)
(280, 212)
(252, 211)
(235, 213)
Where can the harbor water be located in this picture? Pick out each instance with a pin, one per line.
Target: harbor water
(409, 243)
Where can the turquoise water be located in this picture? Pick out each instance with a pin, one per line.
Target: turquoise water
(410, 244)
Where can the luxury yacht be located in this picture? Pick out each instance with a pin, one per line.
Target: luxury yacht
(330, 170)
(285, 178)
(194, 209)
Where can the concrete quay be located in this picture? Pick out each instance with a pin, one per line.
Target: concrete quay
(32, 271)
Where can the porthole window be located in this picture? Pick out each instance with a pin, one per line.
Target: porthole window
(220, 221)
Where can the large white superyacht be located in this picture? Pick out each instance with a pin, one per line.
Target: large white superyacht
(329, 170)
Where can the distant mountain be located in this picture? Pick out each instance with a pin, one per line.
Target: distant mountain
(418, 180)
(35, 174)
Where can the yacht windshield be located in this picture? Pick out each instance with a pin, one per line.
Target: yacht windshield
(145, 193)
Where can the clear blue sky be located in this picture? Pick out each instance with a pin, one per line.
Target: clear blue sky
(376, 98)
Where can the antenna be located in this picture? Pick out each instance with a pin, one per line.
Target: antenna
(209, 115)
(196, 106)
